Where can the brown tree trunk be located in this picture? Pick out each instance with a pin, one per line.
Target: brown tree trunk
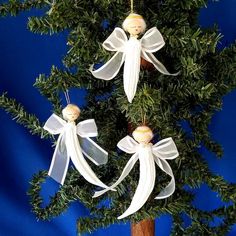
(143, 228)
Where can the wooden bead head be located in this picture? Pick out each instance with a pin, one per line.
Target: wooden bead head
(134, 24)
(71, 112)
(143, 134)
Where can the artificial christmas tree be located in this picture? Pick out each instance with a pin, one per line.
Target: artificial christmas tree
(206, 75)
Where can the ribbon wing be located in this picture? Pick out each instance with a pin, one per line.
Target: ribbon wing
(60, 159)
(54, 124)
(90, 149)
(115, 42)
(165, 149)
(152, 40)
(87, 128)
(128, 145)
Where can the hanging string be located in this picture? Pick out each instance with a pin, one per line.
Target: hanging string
(132, 6)
(66, 93)
(144, 119)
(143, 116)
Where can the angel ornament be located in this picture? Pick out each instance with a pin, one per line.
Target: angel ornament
(129, 51)
(148, 155)
(74, 141)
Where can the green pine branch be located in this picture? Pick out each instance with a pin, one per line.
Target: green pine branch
(19, 114)
(14, 7)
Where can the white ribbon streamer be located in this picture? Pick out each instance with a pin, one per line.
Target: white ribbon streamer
(68, 147)
(147, 155)
(129, 53)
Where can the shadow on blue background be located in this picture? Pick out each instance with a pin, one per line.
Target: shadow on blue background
(24, 56)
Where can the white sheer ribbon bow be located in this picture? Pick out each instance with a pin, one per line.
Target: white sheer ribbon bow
(70, 147)
(148, 155)
(130, 51)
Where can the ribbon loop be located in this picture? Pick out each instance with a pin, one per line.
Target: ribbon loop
(165, 149)
(128, 145)
(116, 41)
(87, 128)
(152, 40)
(90, 149)
(54, 124)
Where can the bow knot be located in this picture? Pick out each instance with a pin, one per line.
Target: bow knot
(151, 41)
(162, 151)
(130, 52)
(69, 146)
(147, 155)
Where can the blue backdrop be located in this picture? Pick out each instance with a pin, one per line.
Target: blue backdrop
(24, 56)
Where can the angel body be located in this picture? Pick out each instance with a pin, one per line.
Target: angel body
(148, 155)
(129, 51)
(69, 147)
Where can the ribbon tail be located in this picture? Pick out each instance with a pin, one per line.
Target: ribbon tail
(129, 166)
(146, 182)
(170, 188)
(131, 68)
(157, 64)
(60, 162)
(93, 151)
(109, 70)
(131, 78)
(76, 155)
